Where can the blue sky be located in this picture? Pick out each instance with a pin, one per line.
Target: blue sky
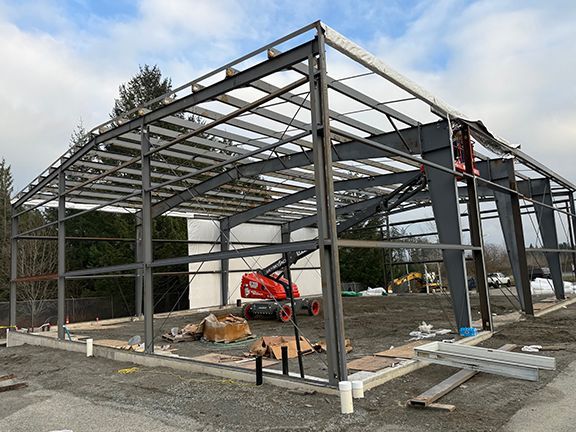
(508, 62)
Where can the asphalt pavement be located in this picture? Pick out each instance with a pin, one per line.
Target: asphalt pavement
(551, 408)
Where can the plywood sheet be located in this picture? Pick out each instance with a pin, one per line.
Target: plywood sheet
(403, 351)
(371, 363)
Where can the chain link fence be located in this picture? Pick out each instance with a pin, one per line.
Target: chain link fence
(37, 312)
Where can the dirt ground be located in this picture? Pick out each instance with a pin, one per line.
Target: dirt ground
(372, 324)
(183, 401)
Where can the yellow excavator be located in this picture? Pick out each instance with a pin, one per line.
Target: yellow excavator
(413, 282)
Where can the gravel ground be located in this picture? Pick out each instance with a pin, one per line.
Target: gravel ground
(69, 391)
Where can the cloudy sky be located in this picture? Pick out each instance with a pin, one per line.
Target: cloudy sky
(510, 63)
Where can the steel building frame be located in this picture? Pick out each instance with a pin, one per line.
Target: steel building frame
(234, 147)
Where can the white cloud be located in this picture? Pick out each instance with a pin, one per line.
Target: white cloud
(510, 63)
(44, 90)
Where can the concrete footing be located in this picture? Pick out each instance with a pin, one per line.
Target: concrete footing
(179, 363)
(555, 307)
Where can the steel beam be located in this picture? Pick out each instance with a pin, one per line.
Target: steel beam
(388, 244)
(509, 215)
(437, 148)
(271, 249)
(354, 94)
(343, 185)
(327, 234)
(342, 210)
(103, 270)
(547, 223)
(13, 266)
(515, 365)
(147, 257)
(243, 78)
(61, 254)
(350, 150)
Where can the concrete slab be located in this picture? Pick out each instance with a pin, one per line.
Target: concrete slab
(551, 409)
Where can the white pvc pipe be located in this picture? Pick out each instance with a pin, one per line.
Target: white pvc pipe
(89, 347)
(346, 403)
(357, 389)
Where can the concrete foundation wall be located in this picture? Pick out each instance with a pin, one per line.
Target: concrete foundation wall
(205, 288)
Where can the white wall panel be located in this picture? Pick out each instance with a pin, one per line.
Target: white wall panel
(205, 288)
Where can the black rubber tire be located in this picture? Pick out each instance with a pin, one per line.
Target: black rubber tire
(247, 312)
(508, 284)
(284, 313)
(313, 308)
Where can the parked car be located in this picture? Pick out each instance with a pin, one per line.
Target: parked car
(496, 280)
(539, 272)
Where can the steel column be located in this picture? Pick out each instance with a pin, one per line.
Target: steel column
(547, 224)
(139, 280)
(572, 228)
(437, 148)
(61, 254)
(147, 244)
(224, 263)
(13, 267)
(509, 215)
(327, 235)
(476, 238)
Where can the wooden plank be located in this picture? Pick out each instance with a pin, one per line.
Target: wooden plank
(442, 407)
(371, 363)
(11, 384)
(404, 351)
(434, 393)
(4, 377)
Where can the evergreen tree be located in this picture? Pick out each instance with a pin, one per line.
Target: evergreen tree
(370, 267)
(146, 85)
(6, 188)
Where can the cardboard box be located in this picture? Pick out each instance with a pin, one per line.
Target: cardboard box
(227, 328)
(271, 346)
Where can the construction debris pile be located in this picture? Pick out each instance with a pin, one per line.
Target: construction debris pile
(425, 332)
(225, 329)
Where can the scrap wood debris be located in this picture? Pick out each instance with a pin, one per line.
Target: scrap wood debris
(320, 346)
(231, 360)
(9, 382)
(136, 347)
(271, 346)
